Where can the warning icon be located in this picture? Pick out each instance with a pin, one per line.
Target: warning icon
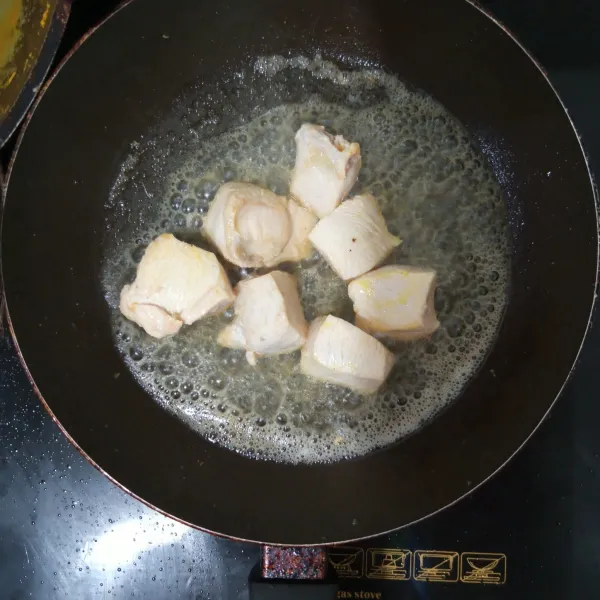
(347, 561)
(388, 563)
(435, 566)
(483, 567)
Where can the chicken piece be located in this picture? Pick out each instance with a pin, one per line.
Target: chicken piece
(232, 336)
(326, 169)
(299, 245)
(154, 320)
(250, 225)
(395, 301)
(268, 317)
(354, 238)
(176, 283)
(338, 352)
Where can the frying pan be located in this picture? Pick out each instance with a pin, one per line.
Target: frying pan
(118, 84)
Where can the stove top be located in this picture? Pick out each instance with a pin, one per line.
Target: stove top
(532, 531)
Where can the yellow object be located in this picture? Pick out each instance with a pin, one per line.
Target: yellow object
(24, 25)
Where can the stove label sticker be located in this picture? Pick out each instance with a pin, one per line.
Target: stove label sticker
(347, 561)
(388, 563)
(436, 566)
(483, 567)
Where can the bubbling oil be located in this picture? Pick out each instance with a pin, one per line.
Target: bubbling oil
(436, 192)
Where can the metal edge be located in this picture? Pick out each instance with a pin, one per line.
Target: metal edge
(321, 543)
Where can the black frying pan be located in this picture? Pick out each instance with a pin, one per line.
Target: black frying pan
(122, 81)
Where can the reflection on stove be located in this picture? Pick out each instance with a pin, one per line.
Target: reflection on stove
(124, 542)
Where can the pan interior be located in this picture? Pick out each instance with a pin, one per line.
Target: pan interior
(436, 192)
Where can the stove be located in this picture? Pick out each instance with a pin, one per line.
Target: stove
(532, 531)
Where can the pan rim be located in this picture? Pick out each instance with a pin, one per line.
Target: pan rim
(552, 403)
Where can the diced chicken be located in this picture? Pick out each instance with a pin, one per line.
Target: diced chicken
(176, 283)
(299, 245)
(354, 237)
(326, 169)
(268, 317)
(253, 227)
(156, 321)
(338, 352)
(250, 225)
(232, 336)
(395, 301)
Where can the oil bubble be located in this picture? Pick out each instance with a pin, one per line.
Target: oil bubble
(188, 206)
(136, 352)
(190, 359)
(176, 201)
(171, 382)
(166, 368)
(217, 382)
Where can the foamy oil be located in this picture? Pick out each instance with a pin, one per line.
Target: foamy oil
(436, 192)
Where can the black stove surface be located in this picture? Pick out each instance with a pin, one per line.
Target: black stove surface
(531, 532)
